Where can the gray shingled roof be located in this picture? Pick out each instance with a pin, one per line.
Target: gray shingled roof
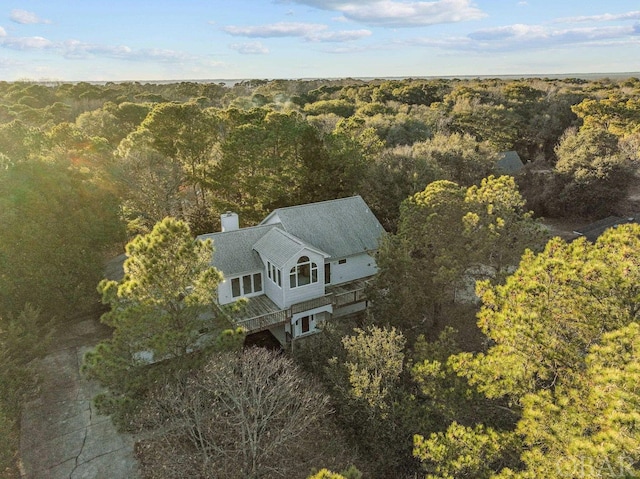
(279, 246)
(336, 228)
(509, 162)
(340, 227)
(233, 250)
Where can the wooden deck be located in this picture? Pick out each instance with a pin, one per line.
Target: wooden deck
(348, 293)
(260, 313)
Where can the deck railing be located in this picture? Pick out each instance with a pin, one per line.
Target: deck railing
(310, 304)
(350, 297)
(265, 321)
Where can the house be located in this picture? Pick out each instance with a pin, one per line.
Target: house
(301, 266)
(509, 163)
(593, 231)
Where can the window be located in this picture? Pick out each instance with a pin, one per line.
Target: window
(342, 261)
(235, 287)
(247, 284)
(303, 273)
(257, 282)
(274, 274)
(327, 273)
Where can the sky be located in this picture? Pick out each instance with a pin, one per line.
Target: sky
(142, 40)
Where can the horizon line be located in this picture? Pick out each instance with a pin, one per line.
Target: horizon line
(558, 76)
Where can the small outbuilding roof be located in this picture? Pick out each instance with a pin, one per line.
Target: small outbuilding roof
(509, 163)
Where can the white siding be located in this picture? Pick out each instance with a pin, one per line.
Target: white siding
(225, 295)
(272, 290)
(224, 292)
(316, 318)
(355, 267)
(309, 291)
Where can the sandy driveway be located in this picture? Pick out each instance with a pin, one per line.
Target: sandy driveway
(62, 436)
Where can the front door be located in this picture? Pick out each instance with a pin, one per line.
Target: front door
(304, 325)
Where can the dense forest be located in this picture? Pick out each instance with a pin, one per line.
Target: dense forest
(537, 379)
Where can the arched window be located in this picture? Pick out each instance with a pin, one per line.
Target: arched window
(304, 272)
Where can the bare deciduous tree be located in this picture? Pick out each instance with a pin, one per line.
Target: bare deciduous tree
(251, 414)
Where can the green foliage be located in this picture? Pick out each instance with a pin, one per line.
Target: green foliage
(594, 422)
(564, 350)
(23, 338)
(57, 225)
(498, 226)
(374, 362)
(618, 114)
(18, 141)
(592, 173)
(8, 443)
(374, 403)
(446, 393)
(464, 452)
(148, 151)
(341, 108)
(460, 158)
(390, 178)
(350, 473)
(162, 308)
(547, 315)
(446, 234)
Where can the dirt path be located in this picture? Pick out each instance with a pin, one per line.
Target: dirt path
(62, 436)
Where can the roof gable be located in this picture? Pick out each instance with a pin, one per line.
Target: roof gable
(278, 247)
(340, 228)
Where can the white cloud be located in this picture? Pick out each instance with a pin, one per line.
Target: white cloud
(394, 13)
(24, 17)
(538, 36)
(74, 49)
(533, 37)
(26, 43)
(346, 49)
(281, 29)
(250, 48)
(342, 36)
(511, 31)
(313, 32)
(3, 32)
(605, 17)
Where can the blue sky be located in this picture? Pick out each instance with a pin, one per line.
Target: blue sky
(211, 39)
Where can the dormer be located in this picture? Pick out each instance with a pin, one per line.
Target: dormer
(295, 269)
